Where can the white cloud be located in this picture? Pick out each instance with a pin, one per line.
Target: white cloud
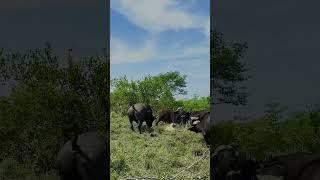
(185, 53)
(156, 16)
(206, 29)
(121, 52)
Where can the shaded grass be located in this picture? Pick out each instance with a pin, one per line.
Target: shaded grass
(161, 156)
(10, 169)
(262, 140)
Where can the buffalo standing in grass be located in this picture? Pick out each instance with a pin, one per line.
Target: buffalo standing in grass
(227, 164)
(182, 117)
(170, 116)
(140, 112)
(84, 157)
(166, 115)
(296, 166)
(201, 123)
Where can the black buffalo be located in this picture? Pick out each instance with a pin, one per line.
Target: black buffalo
(311, 171)
(221, 161)
(197, 115)
(182, 117)
(84, 157)
(201, 123)
(170, 116)
(227, 163)
(141, 112)
(296, 166)
(166, 115)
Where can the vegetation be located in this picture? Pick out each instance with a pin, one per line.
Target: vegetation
(158, 91)
(269, 135)
(163, 155)
(49, 102)
(195, 104)
(166, 151)
(228, 72)
(262, 139)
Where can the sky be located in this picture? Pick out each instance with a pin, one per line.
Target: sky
(283, 51)
(78, 24)
(157, 36)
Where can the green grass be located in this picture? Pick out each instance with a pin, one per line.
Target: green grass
(162, 156)
(262, 140)
(10, 169)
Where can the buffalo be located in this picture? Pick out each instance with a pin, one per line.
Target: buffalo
(170, 116)
(223, 163)
(182, 117)
(201, 123)
(84, 157)
(197, 115)
(296, 166)
(226, 163)
(141, 112)
(311, 171)
(166, 115)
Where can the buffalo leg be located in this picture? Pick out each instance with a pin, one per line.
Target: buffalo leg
(157, 123)
(130, 119)
(84, 173)
(69, 175)
(139, 126)
(64, 176)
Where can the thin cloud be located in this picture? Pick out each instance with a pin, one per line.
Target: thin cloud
(122, 52)
(156, 16)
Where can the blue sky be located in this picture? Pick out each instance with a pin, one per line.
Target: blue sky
(156, 36)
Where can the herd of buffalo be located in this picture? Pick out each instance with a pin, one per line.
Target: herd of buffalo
(86, 157)
(199, 120)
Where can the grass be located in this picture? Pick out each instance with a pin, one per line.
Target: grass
(161, 156)
(261, 139)
(10, 169)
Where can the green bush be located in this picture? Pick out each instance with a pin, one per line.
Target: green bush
(258, 137)
(49, 103)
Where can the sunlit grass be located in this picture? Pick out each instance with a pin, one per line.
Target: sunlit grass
(162, 156)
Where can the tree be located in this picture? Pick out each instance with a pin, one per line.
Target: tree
(313, 111)
(274, 112)
(158, 91)
(227, 71)
(196, 103)
(49, 100)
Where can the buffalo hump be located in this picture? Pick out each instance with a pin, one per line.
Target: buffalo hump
(139, 113)
(84, 157)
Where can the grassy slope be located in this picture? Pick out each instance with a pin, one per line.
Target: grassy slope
(163, 156)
